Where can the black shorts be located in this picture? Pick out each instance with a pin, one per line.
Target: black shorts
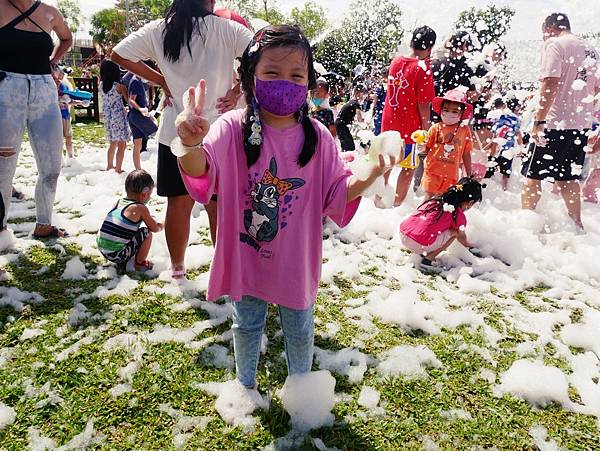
(168, 178)
(498, 164)
(345, 137)
(560, 160)
(131, 249)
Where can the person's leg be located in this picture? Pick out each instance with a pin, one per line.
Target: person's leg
(571, 194)
(403, 185)
(14, 93)
(45, 134)
(431, 255)
(211, 211)
(121, 146)
(137, 146)
(298, 334)
(249, 317)
(144, 147)
(143, 241)
(505, 179)
(177, 228)
(531, 193)
(110, 155)
(68, 135)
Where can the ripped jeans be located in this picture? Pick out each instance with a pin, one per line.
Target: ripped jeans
(30, 101)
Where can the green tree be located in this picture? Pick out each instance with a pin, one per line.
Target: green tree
(108, 27)
(311, 19)
(368, 35)
(71, 12)
(487, 24)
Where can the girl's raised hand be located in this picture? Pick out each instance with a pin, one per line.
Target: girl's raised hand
(191, 124)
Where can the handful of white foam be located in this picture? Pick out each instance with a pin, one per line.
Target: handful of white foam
(387, 144)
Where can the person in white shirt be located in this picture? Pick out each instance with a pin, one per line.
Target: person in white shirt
(189, 44)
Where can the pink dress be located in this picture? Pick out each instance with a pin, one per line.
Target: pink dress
(423, 228)
(269, 227)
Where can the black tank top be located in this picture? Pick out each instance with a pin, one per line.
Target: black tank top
(25, 52)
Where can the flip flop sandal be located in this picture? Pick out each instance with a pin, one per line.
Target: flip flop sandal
(55, 232)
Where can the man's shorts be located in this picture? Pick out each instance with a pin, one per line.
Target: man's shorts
(410, 159)
(560, 160)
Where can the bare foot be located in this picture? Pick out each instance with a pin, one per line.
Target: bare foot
(48, 231)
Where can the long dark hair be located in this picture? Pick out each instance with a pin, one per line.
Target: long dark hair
(109, 75)
(466, 189)
(271, 37)
(182, 19)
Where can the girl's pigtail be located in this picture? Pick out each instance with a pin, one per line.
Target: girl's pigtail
(310, 137)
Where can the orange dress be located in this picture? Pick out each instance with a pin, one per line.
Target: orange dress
(445, 149)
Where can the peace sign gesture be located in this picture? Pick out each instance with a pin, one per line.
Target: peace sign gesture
(191, 124)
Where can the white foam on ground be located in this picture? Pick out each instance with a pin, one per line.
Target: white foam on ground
(347, 362)
(408, 361)
(308, 399)
(185, 425)
(75, 270)
(7, 416)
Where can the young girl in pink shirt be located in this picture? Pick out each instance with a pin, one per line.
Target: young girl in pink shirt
(439, 221)
(276, 173)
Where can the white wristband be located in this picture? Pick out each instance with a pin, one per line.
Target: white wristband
(180, 150)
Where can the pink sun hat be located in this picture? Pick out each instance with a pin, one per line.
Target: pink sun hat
(455, 95)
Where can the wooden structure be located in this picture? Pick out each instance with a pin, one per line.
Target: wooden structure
(89, 85)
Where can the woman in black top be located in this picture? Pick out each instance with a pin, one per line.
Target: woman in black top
(28, 98)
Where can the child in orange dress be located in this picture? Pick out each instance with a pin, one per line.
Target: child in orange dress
(449, 144)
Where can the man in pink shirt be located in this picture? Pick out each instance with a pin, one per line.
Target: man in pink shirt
(569, 80)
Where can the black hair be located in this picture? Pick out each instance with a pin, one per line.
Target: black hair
(466, 189)
(109, 75)
(458, 40)
(138, 182)
(360, 87)
(322, 84)
(498, 102)
(423, 38)
(513, 104)
(559, 21)
(182, 19)
(275, 36)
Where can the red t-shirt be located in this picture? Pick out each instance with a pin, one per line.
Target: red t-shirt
(410, 82)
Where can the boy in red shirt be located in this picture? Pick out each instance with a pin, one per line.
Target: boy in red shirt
(407, 106)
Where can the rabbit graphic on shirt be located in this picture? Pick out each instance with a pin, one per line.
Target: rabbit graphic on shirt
(262, 221)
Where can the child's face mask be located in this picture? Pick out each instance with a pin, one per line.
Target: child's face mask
(280, 97)
(450, 118)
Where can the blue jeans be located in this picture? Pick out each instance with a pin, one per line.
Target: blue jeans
(31, 101)
(249, 317)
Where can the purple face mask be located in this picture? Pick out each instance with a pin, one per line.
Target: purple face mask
(280, 97)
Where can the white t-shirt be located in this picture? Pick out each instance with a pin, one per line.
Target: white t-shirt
(576, 64)
(212, 59)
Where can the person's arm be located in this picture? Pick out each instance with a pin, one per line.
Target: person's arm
(467, 163)
(149, 220)
(425, 114)
(192, 128)
(357, 186)
(548, 91)
(121, 89)
(65, 38)
(230, 99)
(461, 237)
(142, 70)
(134, 104)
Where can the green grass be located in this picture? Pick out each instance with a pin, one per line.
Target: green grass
(133, 421)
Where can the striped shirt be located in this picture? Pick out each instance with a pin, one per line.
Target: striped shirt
(116, 230)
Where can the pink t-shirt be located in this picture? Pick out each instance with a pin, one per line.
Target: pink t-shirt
(423, 228)
(576, 64)
(270, 216)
